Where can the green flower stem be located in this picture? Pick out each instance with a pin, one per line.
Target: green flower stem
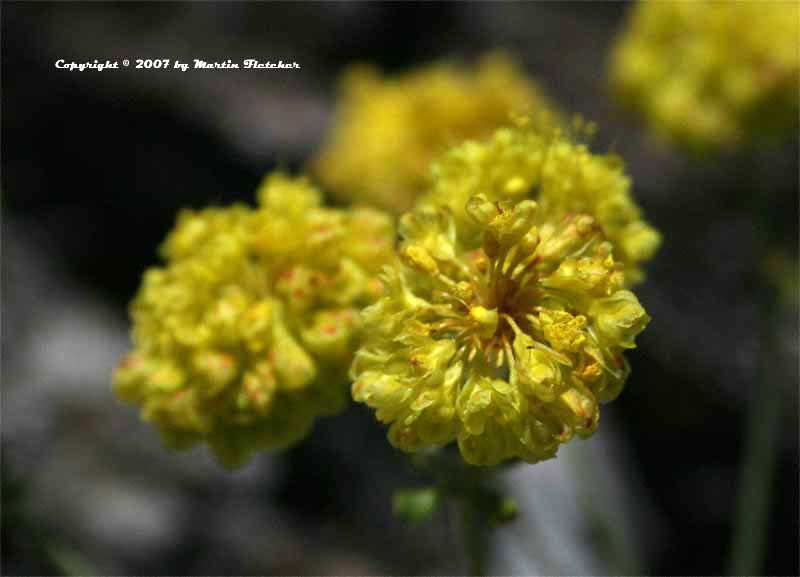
(762, 441)
(758, 464)
(476, 536)
(474, 491)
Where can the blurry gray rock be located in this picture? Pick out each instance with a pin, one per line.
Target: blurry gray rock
(584, 513)
(100, 476)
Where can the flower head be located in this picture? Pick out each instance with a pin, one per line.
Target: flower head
(563, 177)
(503, 335)
(245, 335)
(388, 129)
(711, 74)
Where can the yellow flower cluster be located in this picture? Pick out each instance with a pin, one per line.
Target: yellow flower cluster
(246, 333)
(387, 130)
(502, 328)
(563, 177)
(713, 73)
(501, 321)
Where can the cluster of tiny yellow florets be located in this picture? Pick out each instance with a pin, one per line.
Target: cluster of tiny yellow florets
(563, 177)
(246, 333)
(502, 328)
(711, 73)
(388, 130)
(500, 321)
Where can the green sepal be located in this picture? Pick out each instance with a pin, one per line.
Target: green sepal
(416, 505)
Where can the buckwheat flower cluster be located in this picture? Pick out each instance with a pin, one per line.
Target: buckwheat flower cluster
(244, 336)
(388, 129)
(502, 329)
(562, 176)
(711, 74)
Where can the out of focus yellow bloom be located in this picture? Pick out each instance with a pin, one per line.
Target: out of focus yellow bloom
(388, 129)
(711, 74)
(246, 333)
(563, 177)
(503, 329)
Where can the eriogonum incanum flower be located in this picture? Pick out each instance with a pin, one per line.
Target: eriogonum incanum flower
(505, 340)
(388, 129)
(711, 74)
(563, 177)
(246, 333)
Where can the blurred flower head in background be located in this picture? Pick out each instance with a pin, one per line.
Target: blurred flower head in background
(711, 74)
(387, 130)
(246, 334)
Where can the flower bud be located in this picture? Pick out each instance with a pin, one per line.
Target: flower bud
(486, 320)
(481, 210)
(417, 257)
(620, 318)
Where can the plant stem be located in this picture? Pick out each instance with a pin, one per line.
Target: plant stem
(474, 492)
(758, 464)
(762, 441)
(475, 526)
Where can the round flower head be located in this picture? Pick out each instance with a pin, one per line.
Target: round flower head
(388, 129)
(563, 177)
(246, 333)
(505, 340)
(711, 74)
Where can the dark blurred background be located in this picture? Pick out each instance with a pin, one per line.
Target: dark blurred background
(95, 167)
